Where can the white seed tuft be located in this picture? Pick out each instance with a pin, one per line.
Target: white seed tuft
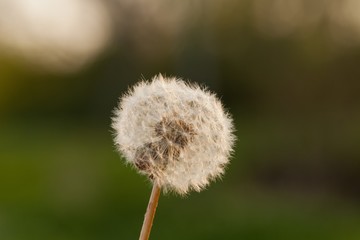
(176, 133)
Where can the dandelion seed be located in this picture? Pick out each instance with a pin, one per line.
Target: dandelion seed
(176, 133)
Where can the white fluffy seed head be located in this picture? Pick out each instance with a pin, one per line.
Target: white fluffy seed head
(176, 133)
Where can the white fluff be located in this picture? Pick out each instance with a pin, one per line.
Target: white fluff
(176, 133)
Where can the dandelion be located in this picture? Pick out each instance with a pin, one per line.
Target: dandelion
(176, 133)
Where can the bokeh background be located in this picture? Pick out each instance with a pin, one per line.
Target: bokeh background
(288, 71)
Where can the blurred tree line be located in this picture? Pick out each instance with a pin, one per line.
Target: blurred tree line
(287, 70)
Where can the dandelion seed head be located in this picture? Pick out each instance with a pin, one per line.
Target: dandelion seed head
(178, 134)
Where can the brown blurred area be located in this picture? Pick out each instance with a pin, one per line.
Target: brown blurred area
(288, 71)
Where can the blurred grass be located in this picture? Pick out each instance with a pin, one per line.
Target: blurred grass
(64, 180)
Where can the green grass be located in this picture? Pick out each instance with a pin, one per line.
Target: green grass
(65, 181)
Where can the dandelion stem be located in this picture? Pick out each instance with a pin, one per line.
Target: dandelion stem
(150, 213)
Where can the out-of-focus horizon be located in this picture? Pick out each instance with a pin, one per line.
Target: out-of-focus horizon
(288, 71)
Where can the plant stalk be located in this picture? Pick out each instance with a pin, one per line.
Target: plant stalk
(150, 213)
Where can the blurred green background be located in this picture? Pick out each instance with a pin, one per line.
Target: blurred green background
(288, 71)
